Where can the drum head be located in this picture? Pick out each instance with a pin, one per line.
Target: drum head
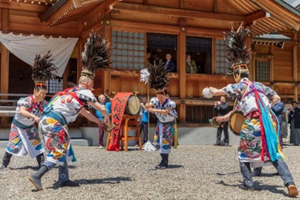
(133, 105)
(236, 122)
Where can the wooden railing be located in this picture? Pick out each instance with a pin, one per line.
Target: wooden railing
(8, 106)
(8, 110)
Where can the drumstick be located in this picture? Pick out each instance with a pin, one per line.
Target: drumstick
(107, 96)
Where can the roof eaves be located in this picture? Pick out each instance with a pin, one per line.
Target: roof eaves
(272, 37)
(288, 7)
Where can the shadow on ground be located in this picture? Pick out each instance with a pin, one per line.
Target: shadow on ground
(114, 180)
(222, 174)
(36, 167)
(259, 187)
(169, 167)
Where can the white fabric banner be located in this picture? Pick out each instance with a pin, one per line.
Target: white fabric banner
(26, 48)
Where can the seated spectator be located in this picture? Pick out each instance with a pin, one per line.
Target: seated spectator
(156, 59)
(169, 63)
(191, 66)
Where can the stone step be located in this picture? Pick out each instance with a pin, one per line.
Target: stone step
(75, 142)
(74, 133)
(3, 143)
(4, 133)
(81, 142)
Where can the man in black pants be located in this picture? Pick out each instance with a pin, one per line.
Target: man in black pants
(222, 108)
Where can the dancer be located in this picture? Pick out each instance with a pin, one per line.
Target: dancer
(65, 107)
(23, 137)
(259, 140)
(164, 109)
(277, 109)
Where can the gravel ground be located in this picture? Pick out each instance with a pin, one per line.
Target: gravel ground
(196, 172)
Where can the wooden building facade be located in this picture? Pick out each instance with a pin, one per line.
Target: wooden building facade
(137, 28)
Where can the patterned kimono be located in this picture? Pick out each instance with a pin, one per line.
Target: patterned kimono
(250, 145)
(23, 137)
(164, 135)
(61, 110)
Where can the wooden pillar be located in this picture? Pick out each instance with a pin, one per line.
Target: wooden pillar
(295, 71)
(4, 69)
(4, 87)
(181, 55)
(253, 64)
(214, 58)
(4, 53)
(272, 66)
(79, 44)
(107, 33)
(248, 44)
(181, 4)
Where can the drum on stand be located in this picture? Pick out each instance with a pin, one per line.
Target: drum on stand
(133, 105)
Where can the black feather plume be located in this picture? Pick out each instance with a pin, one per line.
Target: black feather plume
(236, 52)
(43, 68)
(158, 78)
(96, 54)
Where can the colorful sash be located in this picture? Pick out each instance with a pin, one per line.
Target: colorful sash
(69, 91)
(40, 106)
(270, 144)
(118, 108)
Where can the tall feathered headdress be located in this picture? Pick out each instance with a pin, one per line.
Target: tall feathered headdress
(42, 70)
(158, 77)
(236, 52)
(96, 55)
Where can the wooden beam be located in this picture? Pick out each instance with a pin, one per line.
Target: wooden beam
(279, 13)
(107, 34)
(265, 56)
(214, 65)
(24, 6)
(80, 44)
(85, 33)
(295, 59)
(181, 2)
(96, 20)
(59, 30)
(97, 11)
(202, 32)
(58, 14)
(52, 10)
(158, 28)
(249, 19)
(4, 53)
(178, 12)
(274, 26)
(5, 20)
(215, 6)
(272, 66)
(241, 7)
(69, 18)
(168, 29)
(253, 61)
(181, 69)
(4, 70)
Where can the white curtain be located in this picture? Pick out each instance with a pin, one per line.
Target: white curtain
(26, 47)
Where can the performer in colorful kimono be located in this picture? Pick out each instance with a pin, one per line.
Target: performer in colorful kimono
(277, 109)
(24, 138)
(259, 137)
(65, 106)
(164, 109)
